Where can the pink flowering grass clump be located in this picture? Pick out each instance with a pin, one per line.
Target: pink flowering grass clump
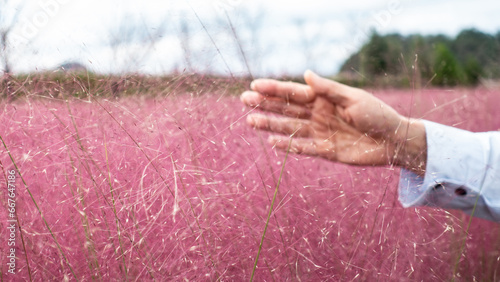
(179, 188)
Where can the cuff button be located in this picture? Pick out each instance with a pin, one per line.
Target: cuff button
(460, 192)
(438, 186)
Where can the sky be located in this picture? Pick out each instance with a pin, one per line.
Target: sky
(230, 37)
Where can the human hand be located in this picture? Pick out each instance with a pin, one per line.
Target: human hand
(336, 122)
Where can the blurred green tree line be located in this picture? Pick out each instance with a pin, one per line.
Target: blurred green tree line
(416, 60)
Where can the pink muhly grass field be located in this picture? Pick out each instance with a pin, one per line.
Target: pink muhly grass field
(179, 188)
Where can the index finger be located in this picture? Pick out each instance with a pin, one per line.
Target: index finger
(286, 90)
(335, 92)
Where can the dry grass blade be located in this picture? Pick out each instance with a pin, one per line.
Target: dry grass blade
(271, 209)
(117, 221)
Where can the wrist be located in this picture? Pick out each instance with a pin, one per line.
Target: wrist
(410, 146)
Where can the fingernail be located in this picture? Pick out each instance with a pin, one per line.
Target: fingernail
(250, 98)
(243, 97)
(272, 140)
(251, 120)
(252, 85)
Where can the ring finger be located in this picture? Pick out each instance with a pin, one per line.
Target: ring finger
(282, 125)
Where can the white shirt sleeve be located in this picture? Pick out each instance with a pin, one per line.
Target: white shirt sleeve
(462, 172)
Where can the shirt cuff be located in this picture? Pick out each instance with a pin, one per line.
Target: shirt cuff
(461, 173)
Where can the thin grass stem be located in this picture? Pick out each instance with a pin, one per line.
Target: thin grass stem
(271, 209)
(114, 210)
(462, 247)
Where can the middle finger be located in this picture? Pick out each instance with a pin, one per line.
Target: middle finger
(275, 105)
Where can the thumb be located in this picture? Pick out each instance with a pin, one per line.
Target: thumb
(336, 92)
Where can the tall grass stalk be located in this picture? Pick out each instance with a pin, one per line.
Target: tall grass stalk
(268, 160)
(117, 221)
(237, 39)
(271, 209)
(212, 40)
(197, 221)
(464, 240)
(80, 200)
(78, 139)
(85, 164)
